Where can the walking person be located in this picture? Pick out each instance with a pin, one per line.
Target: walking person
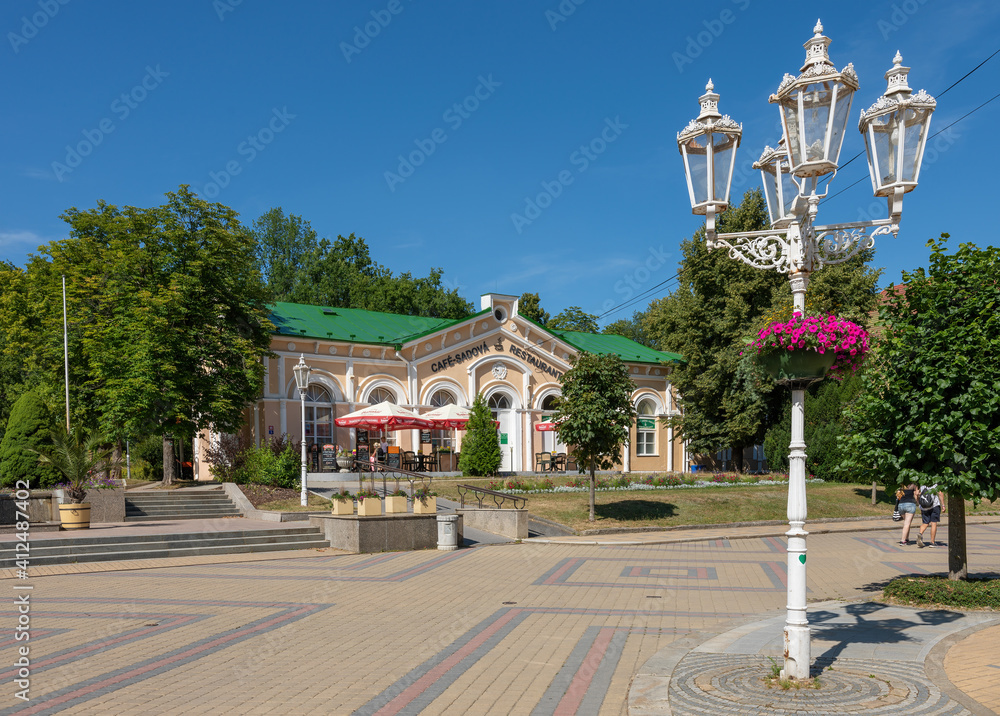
(907, 497)
(929, 515)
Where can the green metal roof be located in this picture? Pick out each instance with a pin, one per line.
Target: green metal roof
(357, 326)
(352, 324)
(625, 348)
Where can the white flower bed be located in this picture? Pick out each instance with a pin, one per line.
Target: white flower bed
(643, 486)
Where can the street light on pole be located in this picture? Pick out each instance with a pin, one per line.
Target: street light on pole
(302, 371)
(814, 114)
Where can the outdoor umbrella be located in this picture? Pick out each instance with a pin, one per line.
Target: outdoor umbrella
(448, 416)
(383, 416)
(545, 427)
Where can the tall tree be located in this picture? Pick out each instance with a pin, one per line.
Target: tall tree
(29, 429)
(596, 412)
(168, 318)
(633, 328)
(574, 318)
(11, 362)
(930, 410)
(529, 305)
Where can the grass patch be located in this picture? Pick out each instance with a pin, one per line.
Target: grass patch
(294, 505)
(974, 593)
(696, 505)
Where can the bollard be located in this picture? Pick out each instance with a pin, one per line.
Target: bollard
(447, 532)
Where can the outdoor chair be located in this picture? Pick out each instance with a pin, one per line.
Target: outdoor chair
(559, 462)
(410, 461)
(543, 461)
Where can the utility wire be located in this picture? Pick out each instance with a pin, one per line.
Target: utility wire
(628, 302)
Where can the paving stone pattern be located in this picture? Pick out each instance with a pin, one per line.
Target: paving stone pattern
(531, 629)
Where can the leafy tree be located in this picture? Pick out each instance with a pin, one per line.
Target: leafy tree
(11, 362)
(930, 410)
(299, 267)
(29, 428)
(596, 412)
(480, 455)
(574, 319)
(633, 328)
(727, 400)
(825, 423)
(529, 305)
(168, 319)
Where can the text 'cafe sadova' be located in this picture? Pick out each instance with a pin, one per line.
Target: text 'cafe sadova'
(360, 357)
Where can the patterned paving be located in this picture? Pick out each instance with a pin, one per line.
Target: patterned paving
(517, 629)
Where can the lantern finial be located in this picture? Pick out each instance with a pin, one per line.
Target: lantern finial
(818, 30)
(709, 103)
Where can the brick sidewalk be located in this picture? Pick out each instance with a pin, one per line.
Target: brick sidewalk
(512, 629)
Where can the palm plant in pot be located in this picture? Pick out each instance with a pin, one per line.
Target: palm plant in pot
(79, 455)
(805, 348)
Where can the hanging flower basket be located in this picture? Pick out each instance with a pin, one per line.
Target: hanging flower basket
(806, 348)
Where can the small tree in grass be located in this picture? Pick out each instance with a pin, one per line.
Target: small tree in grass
(29, 427)
(480, 447)
(596, 412)
(930, 410)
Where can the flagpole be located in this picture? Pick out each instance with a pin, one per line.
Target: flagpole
(65, 350)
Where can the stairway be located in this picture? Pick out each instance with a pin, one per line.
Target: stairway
(147, 505)
(105, 549)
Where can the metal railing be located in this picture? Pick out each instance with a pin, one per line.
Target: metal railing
(481, 493)
(374, 470)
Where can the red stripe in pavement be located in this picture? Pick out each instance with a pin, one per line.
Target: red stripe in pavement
(110, 681)
(426, 565)
(561, 571)
(425, 681)
(571, 701)
(780, 571)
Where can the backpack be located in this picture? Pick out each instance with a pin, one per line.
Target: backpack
(926, 500)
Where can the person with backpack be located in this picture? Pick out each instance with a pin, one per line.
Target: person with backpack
(931, 504)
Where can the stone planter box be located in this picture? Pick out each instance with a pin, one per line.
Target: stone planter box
(448, 461)
(387, 533)
(395, 504)
(106, 505)
(343, 507)
(427, 506)
(506, 523)
(369, 507)
(43, 506)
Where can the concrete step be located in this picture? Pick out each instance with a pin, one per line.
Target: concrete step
(102, 549)
(200, 506)
(180, 516)
(183, 506)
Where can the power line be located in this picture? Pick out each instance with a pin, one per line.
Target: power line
(630, 301)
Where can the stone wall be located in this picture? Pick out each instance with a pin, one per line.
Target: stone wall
(506, 523)
(388, 533)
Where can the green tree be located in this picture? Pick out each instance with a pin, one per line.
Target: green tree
(574, 318)
(726, 399)
(529, 305)
(77, 455)
(930, 410)
(480, 455)
(29, 428)
(11, 362)
(168, 319)
(596, 412)
(633, 328)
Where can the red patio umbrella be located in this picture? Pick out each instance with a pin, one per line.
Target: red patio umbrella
(545, 427)
(383, 416)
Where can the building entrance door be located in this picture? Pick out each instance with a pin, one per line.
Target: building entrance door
(507, 432)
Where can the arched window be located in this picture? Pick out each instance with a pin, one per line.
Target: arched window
(381, 395)
(319, 416)
(549, 443)
(645, 433)
(498, 401)
(443, 438)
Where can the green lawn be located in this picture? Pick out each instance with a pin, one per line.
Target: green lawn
(697, 506)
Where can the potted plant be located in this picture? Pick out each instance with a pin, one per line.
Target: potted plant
(395, 502)
(343, 503)
(805, 348)
(447, 459)
(79, 455)
(369, 504)
(345, 459)
(424, 501)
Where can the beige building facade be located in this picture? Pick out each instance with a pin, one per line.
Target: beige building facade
(361, 357)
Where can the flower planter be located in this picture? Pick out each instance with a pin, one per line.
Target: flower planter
(345, 463)
(395, 503)
(447, 461)
(343, 507)
(75, 516)
(369, 507)
(426, 506)
(797, 365)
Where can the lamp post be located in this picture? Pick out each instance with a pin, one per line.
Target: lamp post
(814, 113)
(302, 371)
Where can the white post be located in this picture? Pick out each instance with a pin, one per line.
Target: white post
(797, 656)
(302, 400)
(65, 351)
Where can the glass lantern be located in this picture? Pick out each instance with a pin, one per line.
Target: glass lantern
(708, 146)
(780, 189)
(814, 109)
(895, 129)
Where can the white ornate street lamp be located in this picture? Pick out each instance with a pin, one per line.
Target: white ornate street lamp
(302, 371)
(814, 112)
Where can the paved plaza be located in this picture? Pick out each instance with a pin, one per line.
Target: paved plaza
(659, 626)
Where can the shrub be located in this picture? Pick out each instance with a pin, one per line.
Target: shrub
(275, 464)
(973, 593)
(29, 427)
(480, 455)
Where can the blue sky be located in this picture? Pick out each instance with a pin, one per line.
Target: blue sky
(312, 105)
